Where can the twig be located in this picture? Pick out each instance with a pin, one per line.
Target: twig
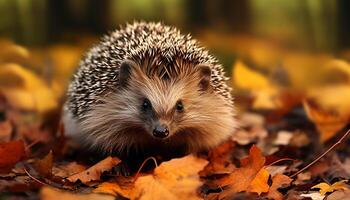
(142, 165)
(323, 154)
(35, 179)
(280, 160)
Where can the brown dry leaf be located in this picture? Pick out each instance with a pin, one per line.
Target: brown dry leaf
(11, 153)
(325, 187)
(341, 194)
(94, 173)
(277, 181)
(44, 166)
(250, 177)
(25, 90)
(220, 160)
(327, 123)
(175, 179)
(67, 170)
(47, 193)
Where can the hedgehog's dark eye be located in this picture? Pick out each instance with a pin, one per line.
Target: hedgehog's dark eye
(146, 105)
(179, 106)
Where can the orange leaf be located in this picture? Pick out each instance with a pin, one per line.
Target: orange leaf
(327, 123)
(277, 181)
(219, 160)
(44, 166)
(251, 176)
(94, 172)
(175, 179)
(259, 183)
(11, 153)
(114, 189)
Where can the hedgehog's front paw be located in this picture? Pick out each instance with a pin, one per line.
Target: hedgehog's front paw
(122, 169)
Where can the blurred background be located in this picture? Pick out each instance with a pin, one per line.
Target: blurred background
(279, 54)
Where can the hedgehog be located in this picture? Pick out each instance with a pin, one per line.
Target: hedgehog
(146, 89)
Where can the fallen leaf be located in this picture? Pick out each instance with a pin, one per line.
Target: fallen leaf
(325, 187)
(67, 170)
(278, 181)
(264, 92)
(11, 153)
(259, 183)
(25, 90)
(220, 160)
(327, 123)
(314, 196)
(114, 188)
(250, 177)
(47, 193)
(44, 166)
(283, 138)
(94, 173)
(246, 78)
(340, 194)
(175, 179)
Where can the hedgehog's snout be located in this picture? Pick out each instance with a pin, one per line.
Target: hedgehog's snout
(161, 131)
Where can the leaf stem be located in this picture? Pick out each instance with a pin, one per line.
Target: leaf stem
(323, 154)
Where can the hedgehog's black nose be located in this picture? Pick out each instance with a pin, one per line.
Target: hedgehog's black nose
(161, 131)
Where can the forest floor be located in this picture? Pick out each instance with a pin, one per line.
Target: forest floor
(291, 142)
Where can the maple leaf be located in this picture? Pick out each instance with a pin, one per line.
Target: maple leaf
(250, 177)
(325, 187)
(94, 173)
(277, 181)
(11, 153)
(44, 166)
(175, 179)
(219, 160)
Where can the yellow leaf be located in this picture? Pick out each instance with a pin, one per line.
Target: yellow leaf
(332, 97)
(266, 99)
(246, 78)
(114, 189)
(264, 92)
(324, 187)
(24, 90)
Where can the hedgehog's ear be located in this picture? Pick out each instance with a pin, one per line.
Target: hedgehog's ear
(125, 69)
(204, 74)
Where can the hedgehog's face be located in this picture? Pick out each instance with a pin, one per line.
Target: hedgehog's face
(181, 111)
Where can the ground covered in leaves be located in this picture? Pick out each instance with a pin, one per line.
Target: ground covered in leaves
(288, 117)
